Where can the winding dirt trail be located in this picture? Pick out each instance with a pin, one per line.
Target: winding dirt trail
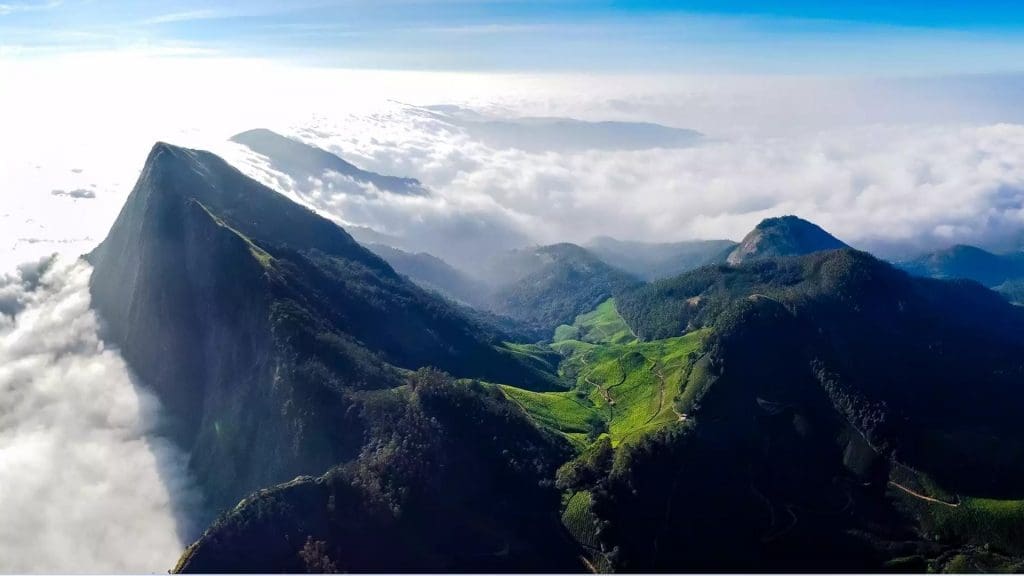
(589, 565)
(604, 391)
(660, 375)
(920, 496)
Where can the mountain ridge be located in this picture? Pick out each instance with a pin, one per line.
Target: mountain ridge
(258, 322)
(968, 262)
(303, 161)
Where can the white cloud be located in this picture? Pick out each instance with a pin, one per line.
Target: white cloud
(16, 7)
(892, 188)
(184, 16)
(86, 484)
(884, 164)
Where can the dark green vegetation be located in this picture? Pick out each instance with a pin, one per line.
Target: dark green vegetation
(551, 285)
(784, 236)
(652, 260)
(935, 339)
(821, 373)
(455, 478)
(256, 321)
(823, 412)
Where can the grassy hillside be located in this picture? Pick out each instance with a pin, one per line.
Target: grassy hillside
(620, 385)
(793, 432)
(997, 524)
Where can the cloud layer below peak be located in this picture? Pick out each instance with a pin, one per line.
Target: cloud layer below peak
(895, 189)
(86, 483)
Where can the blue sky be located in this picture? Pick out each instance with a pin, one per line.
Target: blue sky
(866, 37)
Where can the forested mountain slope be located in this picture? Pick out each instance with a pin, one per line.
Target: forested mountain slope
(551, 285)
(832, 390)
(255, 321)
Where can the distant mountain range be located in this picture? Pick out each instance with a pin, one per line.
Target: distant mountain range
(551, 285)
(434, 274)
(304, 162)
(539, 134)
(784, 404)
(1001, 272)
(654, 260)
(329, 183)
(536, 288)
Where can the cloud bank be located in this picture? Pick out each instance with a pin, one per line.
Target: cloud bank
(890, 165)
(86, 484)
(893, 189)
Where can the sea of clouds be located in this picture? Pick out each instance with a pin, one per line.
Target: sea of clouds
(894, 166)
(893, 189)
(87, 484)
(86, 481)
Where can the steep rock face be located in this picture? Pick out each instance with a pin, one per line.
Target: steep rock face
(258, 323)
(191, 303)
(784, 236)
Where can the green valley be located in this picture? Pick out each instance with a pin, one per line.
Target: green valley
(620, 386)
